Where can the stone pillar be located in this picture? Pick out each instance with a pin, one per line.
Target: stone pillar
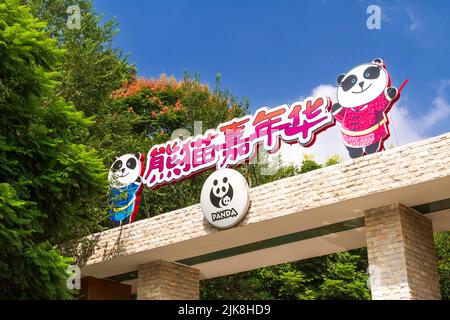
(162, 280)
(401, 252)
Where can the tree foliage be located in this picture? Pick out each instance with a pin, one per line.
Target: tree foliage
(345, 279)
(442, 243)
(91, 67)
(48, 176)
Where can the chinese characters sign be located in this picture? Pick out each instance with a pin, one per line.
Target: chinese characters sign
(236, 141)
(364, 97)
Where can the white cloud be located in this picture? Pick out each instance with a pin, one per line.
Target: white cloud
(402, 126)
(385, 17)
(410, 128)
(326, 89)
(414, 20)
(328, 142)
(440, 110)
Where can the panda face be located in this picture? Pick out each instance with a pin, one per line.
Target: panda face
(362, 85)
(221, 193)
(125, 170)
(221, 189)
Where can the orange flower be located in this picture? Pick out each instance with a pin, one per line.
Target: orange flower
(178, 105)
(164, 111)
(153, 99)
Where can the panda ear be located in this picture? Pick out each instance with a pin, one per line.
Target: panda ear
(114, 159)
(379, 62)
(340, 77)
(138, 156)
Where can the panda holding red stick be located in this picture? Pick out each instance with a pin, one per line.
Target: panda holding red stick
(364, 96)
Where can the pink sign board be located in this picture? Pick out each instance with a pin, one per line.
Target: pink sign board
(236, 141)
(364, 97)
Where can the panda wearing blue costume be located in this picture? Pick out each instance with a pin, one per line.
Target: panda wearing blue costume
(125, 178)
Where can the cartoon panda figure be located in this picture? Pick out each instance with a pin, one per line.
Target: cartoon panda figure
(221, 193)
(364, 96)
(125, 177)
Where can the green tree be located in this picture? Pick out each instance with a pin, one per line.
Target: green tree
(91, 67)
(308, 164)
(442, 243)
(343, 279)
(283, 282)
(48, 177)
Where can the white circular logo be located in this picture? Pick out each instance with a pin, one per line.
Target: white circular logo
(225, 198)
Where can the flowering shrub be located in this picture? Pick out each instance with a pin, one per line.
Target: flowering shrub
(146, 112)
(160, 106)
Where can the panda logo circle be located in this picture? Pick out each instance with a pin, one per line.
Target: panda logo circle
(225, 198)
(221, 193)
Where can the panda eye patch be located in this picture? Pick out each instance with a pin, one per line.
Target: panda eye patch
(372, 72)
(131, 163)
(117, 165)
(349, 82)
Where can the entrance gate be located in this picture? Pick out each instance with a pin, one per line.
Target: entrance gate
(390, 202)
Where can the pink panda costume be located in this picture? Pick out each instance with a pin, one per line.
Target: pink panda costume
(364, 97)
(364, 125)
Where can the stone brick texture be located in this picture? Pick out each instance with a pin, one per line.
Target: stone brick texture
(401, 254)
(418, 162)
(162, 280)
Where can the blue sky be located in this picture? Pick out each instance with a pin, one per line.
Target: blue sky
(275, 52)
